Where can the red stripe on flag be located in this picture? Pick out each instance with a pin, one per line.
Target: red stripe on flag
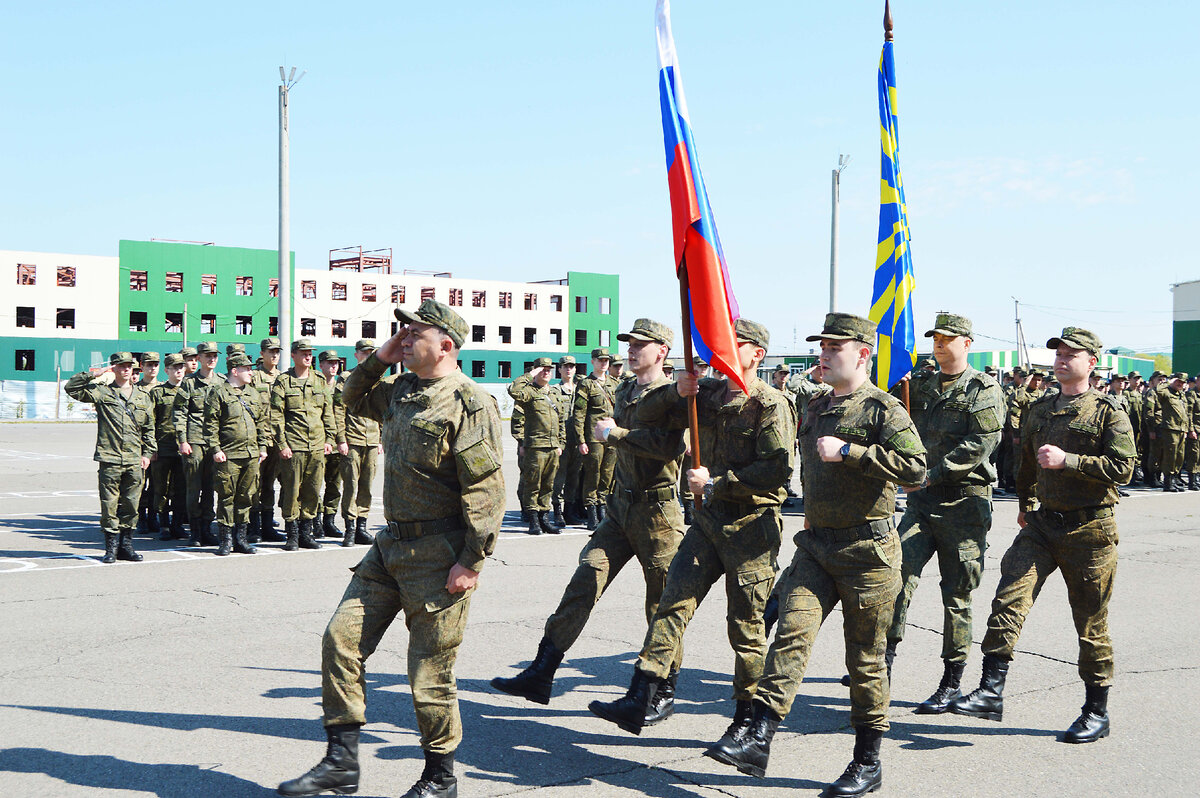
(685, 206)
(710, 305)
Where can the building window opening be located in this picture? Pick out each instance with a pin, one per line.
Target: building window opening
(604, 340)
(66, 276)
(208, 324)
(505, 335)
(65, 319)
(244, 286)
(478, 333)
(368, 292)
(273, 287)
(605, 304)
(24, 360)
(581, 338)
(308, 289)
(456, 297)
(208, 284)
(308, 328)
(25, 316)
(137, 281)
(173, 323)
(581, 304)
(397, 294)
(273, 326)
(531, 335)
(339, 292)
(505, 369)
(243, 325)
(368, 328)
(556, 302)
(478, 369)
(174, 282)
(26, 274)
(531, 301)
(556, 337)
(506, 300)
(426, 293)
(338, 327)
(478, 299)
(137, 321)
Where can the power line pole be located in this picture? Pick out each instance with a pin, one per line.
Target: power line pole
(843, 161)
(286, 82)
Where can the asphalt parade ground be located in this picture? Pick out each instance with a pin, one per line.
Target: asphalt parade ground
(190, 676)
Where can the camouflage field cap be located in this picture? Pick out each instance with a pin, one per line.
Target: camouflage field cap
(208, 348)
(617, 360)
(1116, 377)
(989, 369)
(1180, 375)
(436, 314)
(782, 369)
(302, 345)
(150, 357)
(173, 359)
(365, 345)
(668, 365)
(543, 362)
(649, 330)
(119, 358)
(846, 327)
(928, 363)
(269, 343)
(1157, 374)
(1135, 374)
(567, 360)
(698, 362)
(1017, 371)
(752, 332)
(231, 348)
(236, 359)
(951, 324)
(328, 355)
(188, 351)
(1077, 338)
(1038, 373)
(601, 352)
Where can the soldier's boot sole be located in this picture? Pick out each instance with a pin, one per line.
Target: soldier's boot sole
(986, 714)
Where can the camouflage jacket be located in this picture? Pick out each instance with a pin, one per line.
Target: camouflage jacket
(442, 451)
(189, 406)
(1149, 409)
(1133, 406)
(542, 428)
(1018, 403)
(302, 412)
(359, 430)
(647, 452)
(1172, 411)
(565, 399)
(237, 421)
(807, 389)
(885, 450)
(593, 401)
(1094, 432)
(516, 423)
(263, 380)
(124, 426)
(162, 399)
(959, 427)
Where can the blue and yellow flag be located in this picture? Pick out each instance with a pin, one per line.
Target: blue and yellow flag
(891, 298)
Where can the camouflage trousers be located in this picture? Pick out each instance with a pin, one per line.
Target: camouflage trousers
(1171, 452)
(1087, 556)
(1151, 451)
(237, 489)
(331, 498)
(537, 485)
(744, 550)
(956, 531)
(300, 480)
(832, 566)
(198, 471)
(358, 474)
(410, 576)
(649, 530)
(522, 475)
(120, 492)
(1191, 454)
(268, 475)
(170, 487)
(596, 472)
(566, 478)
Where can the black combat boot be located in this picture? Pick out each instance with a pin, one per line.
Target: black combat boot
(864, 774)
(1193, 481)
(663, 705)
(559, 519)
(361, 536)
(601, 511)
(437, 779)
(1092, 724)
(177, 530)
(1137, 475)
(329, 526)
(268, 532)
(771, 614)
(348, 535)
(743, 713)
(241, 542)
(164, 527)
(532, 525)
(110, 548)
(225, 547)
(255, 528)
(337, 772)
(629, 711)
(593, 517)
(306, 540)
(544, 523)
(988, 700)
(206, 534)
(141, 522)
(1168, 483)
(194, 538)
(535, 682)
(574, 514)
(125, 547)
(292, 536)
(889, 656)
(153, 527)
(946, 692)
(752, 750)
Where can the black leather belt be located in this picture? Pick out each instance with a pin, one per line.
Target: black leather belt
(1065, 518)
(867, 531)
(948, 492)
(651, 495)
(407, 530)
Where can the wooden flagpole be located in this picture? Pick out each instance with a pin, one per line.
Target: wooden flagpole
(686, 313)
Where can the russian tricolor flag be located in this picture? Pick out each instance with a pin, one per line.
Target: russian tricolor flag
(697, 245)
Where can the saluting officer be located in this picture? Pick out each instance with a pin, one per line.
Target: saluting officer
(363, 449)
(124, 445)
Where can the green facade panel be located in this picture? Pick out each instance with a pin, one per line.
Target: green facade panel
(1185, 347)
(592, 288)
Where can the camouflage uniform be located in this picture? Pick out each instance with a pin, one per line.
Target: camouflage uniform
(516, 428)
(959, 424)
(268, 470)
(444, 503)
(167, 479)
(331, 493)
(198, 466)
(593, 401)
(358, 467)
(146, 503)
(566, 477)
(124, 435)
(303, 421)
(1172, 421)
(542, 438)
(850, 551)
(1191, 450)
(1151, 447)
(237, 422)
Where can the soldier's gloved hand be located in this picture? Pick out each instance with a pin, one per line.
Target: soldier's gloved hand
(343, 448)
(697, 478)
(285, 453)
(219, 457)
(687, 384)
(461, 579)
(1051, 457)
(185, 448)
(145, 463)
(830, 448)
(329, 448)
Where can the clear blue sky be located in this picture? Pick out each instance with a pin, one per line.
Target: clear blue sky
(1047, 147)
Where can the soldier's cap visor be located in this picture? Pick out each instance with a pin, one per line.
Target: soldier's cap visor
(1060, 340)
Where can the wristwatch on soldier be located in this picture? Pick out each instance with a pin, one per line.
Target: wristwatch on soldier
(845, 450)
(708, 489)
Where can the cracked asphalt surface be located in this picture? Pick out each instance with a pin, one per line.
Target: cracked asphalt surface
(190, 675)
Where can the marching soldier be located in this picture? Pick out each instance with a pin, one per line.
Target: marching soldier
(262, 519)
(170, 487)
(237, 430)
(958, 413)
(305, 431)
(147, 518)
(330, 363)
(566, 478)
(444, 503)
(645, 521)
(1078, 448)
(857, 443)
(594, 398)
(542, 443)
(124, 445)
(189, 434)
(358, 465)
(737, 531)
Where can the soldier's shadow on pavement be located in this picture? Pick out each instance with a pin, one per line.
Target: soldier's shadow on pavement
(81, 532)
(107, 773)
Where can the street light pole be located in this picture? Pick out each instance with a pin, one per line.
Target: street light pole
(286, 82)
(843, 161)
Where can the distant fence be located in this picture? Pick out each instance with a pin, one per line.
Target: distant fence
(39, 400)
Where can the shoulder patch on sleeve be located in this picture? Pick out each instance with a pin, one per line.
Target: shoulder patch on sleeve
(988, 419)
(469, 399)
(906, 441)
